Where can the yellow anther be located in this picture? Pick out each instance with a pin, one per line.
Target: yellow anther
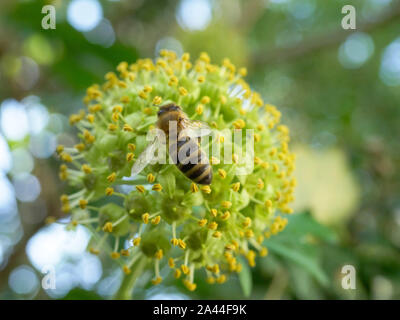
(239, 124)
(174, 242)
(249, 233)
(222, 173)
(194, 188)
(111, 177)
(223, 99)
(130, 156)
(235, 158)
(171, 263)
(185, 56)
(202, 222)
(140, 188)
(157, 187)
(94, 251)
(185, 269)
(108, 227)
(210, 280)
(177, 273)
(246, 222)
(131, 147)
(205, 100)
(147, 89)
(206, 189)
(83, 203)
(181, 244)
(156, 220)
(60, 149)
(125, 99)
(117, 108)
(157, 100)
(125, 253)
(115, 255)
(260, 184)
(201, 79)
(182, 91)
(226, 215)
(156, 281)
(263, 252)
(109, 191)
(80, 147)
(136, 241)
(126, 269)
(127, 128)
(226, 204)
(190, 285)
(66, 157)
(151, 178)
(159, 254)
(143, 95)
(243, 72)
(64, 198)
(213, 225)
(199, 109)
(268, 203)
(145, 218)
(214, 212)
(236, 186)
(221, 279)
(112, 127)
(217, 234)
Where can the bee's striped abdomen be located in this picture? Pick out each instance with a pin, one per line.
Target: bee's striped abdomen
(195, 164)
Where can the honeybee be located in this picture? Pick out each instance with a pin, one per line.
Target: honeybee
(195, 164)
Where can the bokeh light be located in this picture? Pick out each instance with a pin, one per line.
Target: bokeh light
(27, 187)
(14, 120)
(390, 65)
(194, 14)
(23, 280)
(356, 50)
(84, 15)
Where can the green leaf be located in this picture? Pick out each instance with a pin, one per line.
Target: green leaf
(300, 257)
(304, 223)
(245, 278)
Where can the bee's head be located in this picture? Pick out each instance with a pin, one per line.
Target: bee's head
(167, 108)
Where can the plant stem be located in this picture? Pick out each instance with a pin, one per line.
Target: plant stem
(129, 280)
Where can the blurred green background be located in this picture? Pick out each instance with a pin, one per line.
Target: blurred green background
(338, 91)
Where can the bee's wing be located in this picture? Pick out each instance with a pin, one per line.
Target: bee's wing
(145, 157)
(196, 128)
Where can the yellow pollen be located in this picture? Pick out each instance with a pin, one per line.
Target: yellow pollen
(157, 187)
(194, 188)
(202, 222)
(145, 218)
(83, 203)
(222, 173)
(108, 227)
(157, 100)
(136, 241)
(206, 189)
(226, 204)
(213, 225)
(156, 220)
(130, 156)
(236, 186)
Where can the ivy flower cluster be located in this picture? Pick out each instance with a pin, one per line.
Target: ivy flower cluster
(162, 217)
